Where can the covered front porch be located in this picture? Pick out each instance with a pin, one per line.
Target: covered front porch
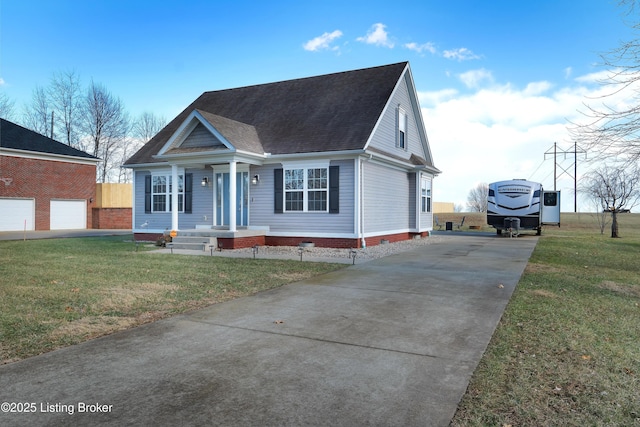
(229, 188)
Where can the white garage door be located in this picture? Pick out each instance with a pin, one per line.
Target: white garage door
(16, 214)
(68, 215)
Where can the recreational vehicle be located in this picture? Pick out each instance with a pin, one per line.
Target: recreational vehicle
(520, 204)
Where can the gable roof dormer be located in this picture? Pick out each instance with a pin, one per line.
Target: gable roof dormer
(203, 132)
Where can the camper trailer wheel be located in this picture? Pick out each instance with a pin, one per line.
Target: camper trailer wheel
(498, 232)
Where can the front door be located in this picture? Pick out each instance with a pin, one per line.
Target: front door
(223, 203)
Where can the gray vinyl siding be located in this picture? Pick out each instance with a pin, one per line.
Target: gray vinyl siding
(387, 198)
(202, 204)
(385, 137)
(261, 212)
(201, 137)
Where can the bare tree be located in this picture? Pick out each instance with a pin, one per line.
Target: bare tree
(147, 125)
(612, 126)
(65, 95)
(616, 189)
(477, 198)
(6, 107)
(106, 126)
(37, 115)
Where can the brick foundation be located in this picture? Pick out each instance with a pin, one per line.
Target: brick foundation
(146, 237)
(319, 242)
(325, 242)
(241, 242)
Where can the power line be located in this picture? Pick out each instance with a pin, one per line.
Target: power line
(576, 150)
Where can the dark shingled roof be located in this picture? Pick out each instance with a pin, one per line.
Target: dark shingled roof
(332, 112)
(19, 138)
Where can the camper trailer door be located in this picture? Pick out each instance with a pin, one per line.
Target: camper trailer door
(550, 214)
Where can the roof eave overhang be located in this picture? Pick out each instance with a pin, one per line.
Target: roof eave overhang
(399, 163)
(209, 157)
(431, 169)
(48, 156)
(338, 154)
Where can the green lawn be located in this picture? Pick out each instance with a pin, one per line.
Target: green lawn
(567, 350)
(59, 292)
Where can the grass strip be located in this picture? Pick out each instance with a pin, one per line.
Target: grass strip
(567, 349)
(58, 292)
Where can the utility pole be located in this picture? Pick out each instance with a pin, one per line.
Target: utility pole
(575, 152)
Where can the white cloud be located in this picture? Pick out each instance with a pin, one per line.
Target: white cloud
(323, 42)
(420, 48)
(474, 78)
(435, 98)
(500, 132)
(377, 35)
(2, 82)
(537, 88)
(567, 72)
(460, 54)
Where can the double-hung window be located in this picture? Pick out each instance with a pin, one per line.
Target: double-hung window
(162, 190)
(425, 195)
(402, 129)
(306, 189)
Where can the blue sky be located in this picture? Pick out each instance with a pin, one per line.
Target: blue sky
(496, 79)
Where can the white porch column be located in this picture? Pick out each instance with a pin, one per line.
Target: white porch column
(233, 208)
(174, 197)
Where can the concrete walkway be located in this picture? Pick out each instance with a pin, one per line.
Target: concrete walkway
(390, 342)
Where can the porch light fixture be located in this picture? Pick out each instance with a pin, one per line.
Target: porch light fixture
(255, 179)
(205, 181)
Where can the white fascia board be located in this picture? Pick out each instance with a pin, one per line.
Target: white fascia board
(415, 101)
(390, 162)
(12, 152)
(429, 169)
(207, 157)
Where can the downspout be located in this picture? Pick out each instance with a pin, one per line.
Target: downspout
(363, 242)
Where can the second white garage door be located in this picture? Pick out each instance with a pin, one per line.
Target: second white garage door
(68, 215)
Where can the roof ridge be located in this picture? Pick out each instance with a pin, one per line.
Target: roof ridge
(335, 73)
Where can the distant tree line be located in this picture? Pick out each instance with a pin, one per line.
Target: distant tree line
(89, 118)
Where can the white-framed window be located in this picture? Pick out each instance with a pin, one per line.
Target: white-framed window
(401, 141)
(425, 194)
(306, 189)
(161, 191)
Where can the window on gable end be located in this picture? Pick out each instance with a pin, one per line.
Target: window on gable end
(402, 129)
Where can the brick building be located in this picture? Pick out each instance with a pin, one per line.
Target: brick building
(44, 184)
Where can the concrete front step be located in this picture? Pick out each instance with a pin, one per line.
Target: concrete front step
(198, 243)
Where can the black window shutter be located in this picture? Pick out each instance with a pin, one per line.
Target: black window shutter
(334, 189)
(147, 194)
(188, 193)
(278, 191)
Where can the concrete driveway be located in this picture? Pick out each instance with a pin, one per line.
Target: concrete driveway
(389, 342)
